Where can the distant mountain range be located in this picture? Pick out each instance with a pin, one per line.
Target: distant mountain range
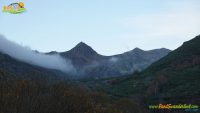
(173, 79)
(168, 77)
(89, 63)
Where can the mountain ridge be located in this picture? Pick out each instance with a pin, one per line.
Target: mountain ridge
(173, 79)
(90, 62)
(83, 60)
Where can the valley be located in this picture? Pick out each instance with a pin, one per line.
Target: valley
(172, 79)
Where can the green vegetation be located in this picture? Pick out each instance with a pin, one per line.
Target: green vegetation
(28, 89)
(18, 95)
(173, 79)
(15, 11)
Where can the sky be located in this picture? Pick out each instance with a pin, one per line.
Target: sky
(108, 26)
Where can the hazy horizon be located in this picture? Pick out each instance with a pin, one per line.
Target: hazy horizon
(26, 46)
(109, 27)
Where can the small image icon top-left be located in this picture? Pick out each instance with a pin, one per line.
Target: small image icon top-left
(14, 8)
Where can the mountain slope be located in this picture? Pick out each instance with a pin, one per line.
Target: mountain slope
(10, 68)
(177, 75)
(173, 79)
(82, 55)
(90, 63)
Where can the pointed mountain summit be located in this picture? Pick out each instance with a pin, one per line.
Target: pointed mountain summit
(81, 55)
(137, 49)
(84, 58)
(83, 49)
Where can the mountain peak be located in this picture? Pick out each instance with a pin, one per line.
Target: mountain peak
(81, 44)
(84, 49)
(137, 50)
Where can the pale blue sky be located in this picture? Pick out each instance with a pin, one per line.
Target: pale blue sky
(109, 26)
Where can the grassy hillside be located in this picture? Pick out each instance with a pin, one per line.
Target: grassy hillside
(173, 79)
(176, 77)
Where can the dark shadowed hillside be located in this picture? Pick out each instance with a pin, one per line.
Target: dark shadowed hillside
(173, 79)
(21, 70)
(30, 89)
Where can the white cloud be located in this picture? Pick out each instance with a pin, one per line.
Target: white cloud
(27, 55)
(113, 59)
